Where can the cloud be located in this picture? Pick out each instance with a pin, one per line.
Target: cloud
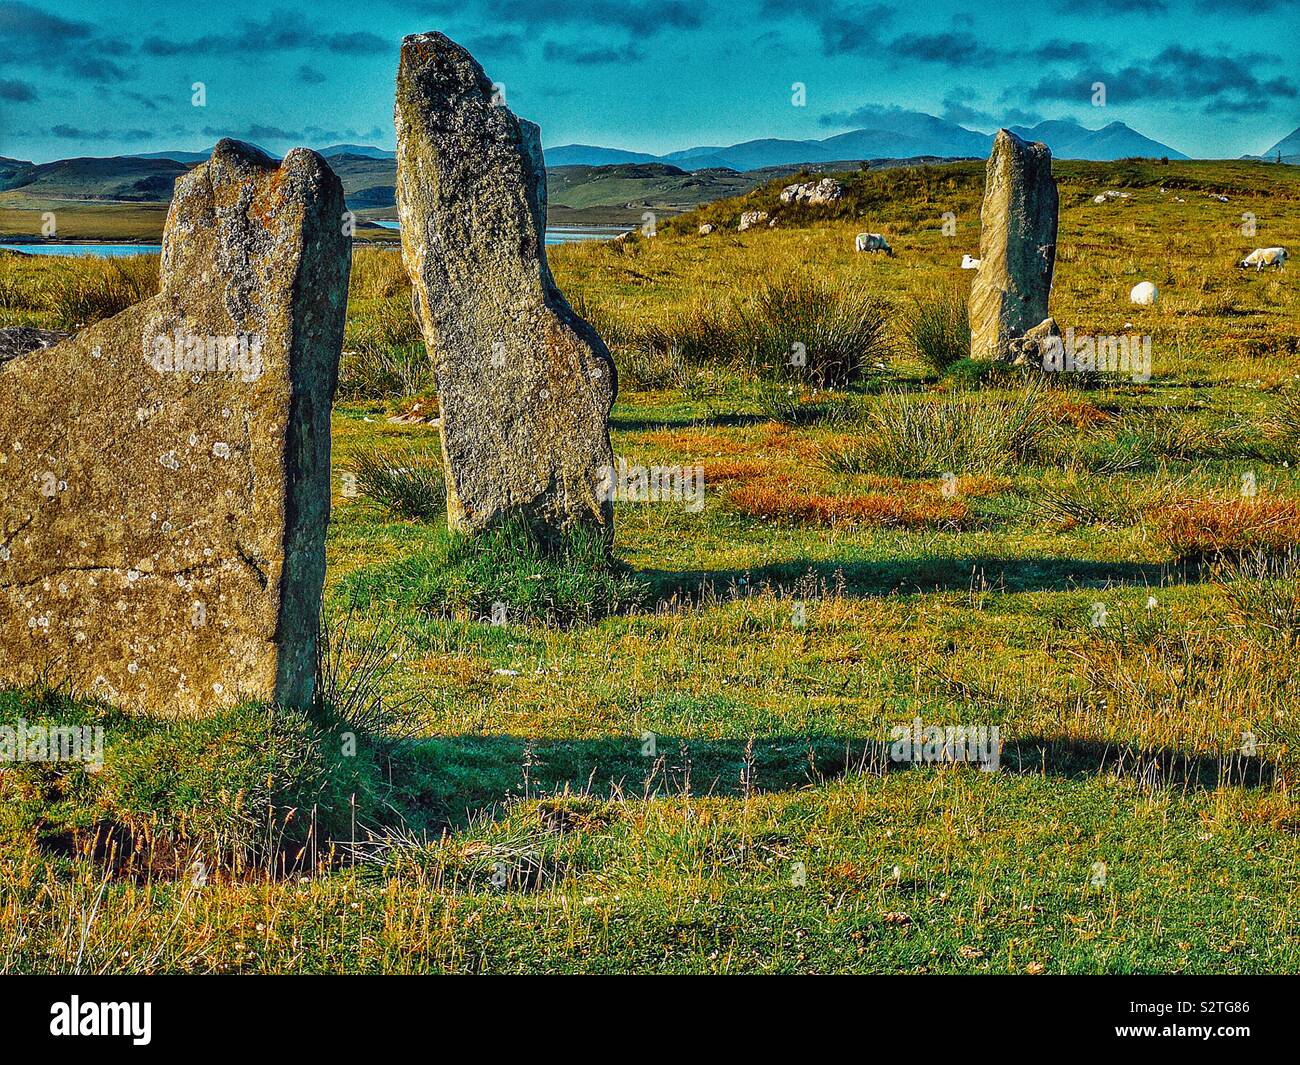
(76, 133)
(310, 75)
(23, 21)
(853, 29)
(72, 46)
(504, 45)
(1221, 82)
(951, 49)
(17, 92)
(1112, 7)
(282, 31)
(554, 52)
(642, 18)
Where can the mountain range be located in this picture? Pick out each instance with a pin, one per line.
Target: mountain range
(892, 134)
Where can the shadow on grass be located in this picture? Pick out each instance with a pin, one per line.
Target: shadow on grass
(444, 782)
(870, 577)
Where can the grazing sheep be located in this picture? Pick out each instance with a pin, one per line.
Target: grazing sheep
(967, 263)
(872, 242)
(1262, 257)
(1144, 294)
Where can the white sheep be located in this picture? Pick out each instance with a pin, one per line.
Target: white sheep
(1262, 257)
(872, 242)
(967, 263)
(1144, 294)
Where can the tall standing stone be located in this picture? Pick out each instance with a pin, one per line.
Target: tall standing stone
(525, 384)
(164, 474)
(1017, 246)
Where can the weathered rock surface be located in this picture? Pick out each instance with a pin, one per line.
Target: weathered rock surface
(813, 193)
(526, 385)
(1017, 246)
(164, 475)
(749, 219)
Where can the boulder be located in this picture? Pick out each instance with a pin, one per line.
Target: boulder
(164, 475)
(1030, 349)
(706, 229)
(526, 385)
(749, 219)
(1017, 245)
(813, 193)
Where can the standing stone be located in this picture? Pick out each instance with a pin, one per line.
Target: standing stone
(526, 385)
(164, 475)
(1017, 246)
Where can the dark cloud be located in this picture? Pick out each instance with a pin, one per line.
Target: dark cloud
(554, 52)
(23, 21)
(76, 133)
(492, 46)
(852, 29)
(282, 31)
(1240, 7)
(94, 68)
(1111, 7)
(17, 92)
(1219, 81)
(310, 75)
(952, 49)
(644, 18)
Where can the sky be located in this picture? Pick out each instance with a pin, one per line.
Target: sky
(1211, 78)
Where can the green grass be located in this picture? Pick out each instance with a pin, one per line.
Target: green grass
(671, 759)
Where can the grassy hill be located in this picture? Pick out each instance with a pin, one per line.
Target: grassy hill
(679, 762)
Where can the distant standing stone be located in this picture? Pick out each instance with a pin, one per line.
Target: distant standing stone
(526, 385)
(165, 474)
(1017, 246)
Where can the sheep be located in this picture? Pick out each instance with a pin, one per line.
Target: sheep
(968, 263)
(1262, 257)
(1144, 294)
(872, 242)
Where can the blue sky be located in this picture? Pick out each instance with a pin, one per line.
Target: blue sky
(87, 77)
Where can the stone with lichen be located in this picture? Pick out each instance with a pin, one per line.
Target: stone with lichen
(525, 384)
(164, 475)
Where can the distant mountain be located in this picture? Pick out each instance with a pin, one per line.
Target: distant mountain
(1070, 140)
(1288, 147)
(589, 155)
(128, 178)
(364, 151)
(893, 134)
(176, 157)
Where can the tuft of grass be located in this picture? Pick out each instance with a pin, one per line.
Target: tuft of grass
(79, 293)
(1264, 592)
(938, 330)
(931, 435)
(410, 485)
(778, 500)
(832, 335)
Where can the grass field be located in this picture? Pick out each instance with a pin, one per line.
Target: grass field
(678, 760)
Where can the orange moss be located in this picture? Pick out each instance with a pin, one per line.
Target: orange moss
(776, 499)
(1072, 411)
(1214, 528)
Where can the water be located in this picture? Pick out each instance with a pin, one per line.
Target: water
(85, 249)
(554, 235)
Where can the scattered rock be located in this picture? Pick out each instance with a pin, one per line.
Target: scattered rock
(968, 263)
(750, 219)
(813, 193)
(872, 242)
(526, 385)
(706, 229)
(1144, 294)
(165, 474)
(1017, 245)
(1029, 348)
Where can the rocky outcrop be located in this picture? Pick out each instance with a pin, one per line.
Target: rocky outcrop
(526, 385)
(813, 193)
(18, 340)
(750, 219)
(164, 475)
(1017, 246)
